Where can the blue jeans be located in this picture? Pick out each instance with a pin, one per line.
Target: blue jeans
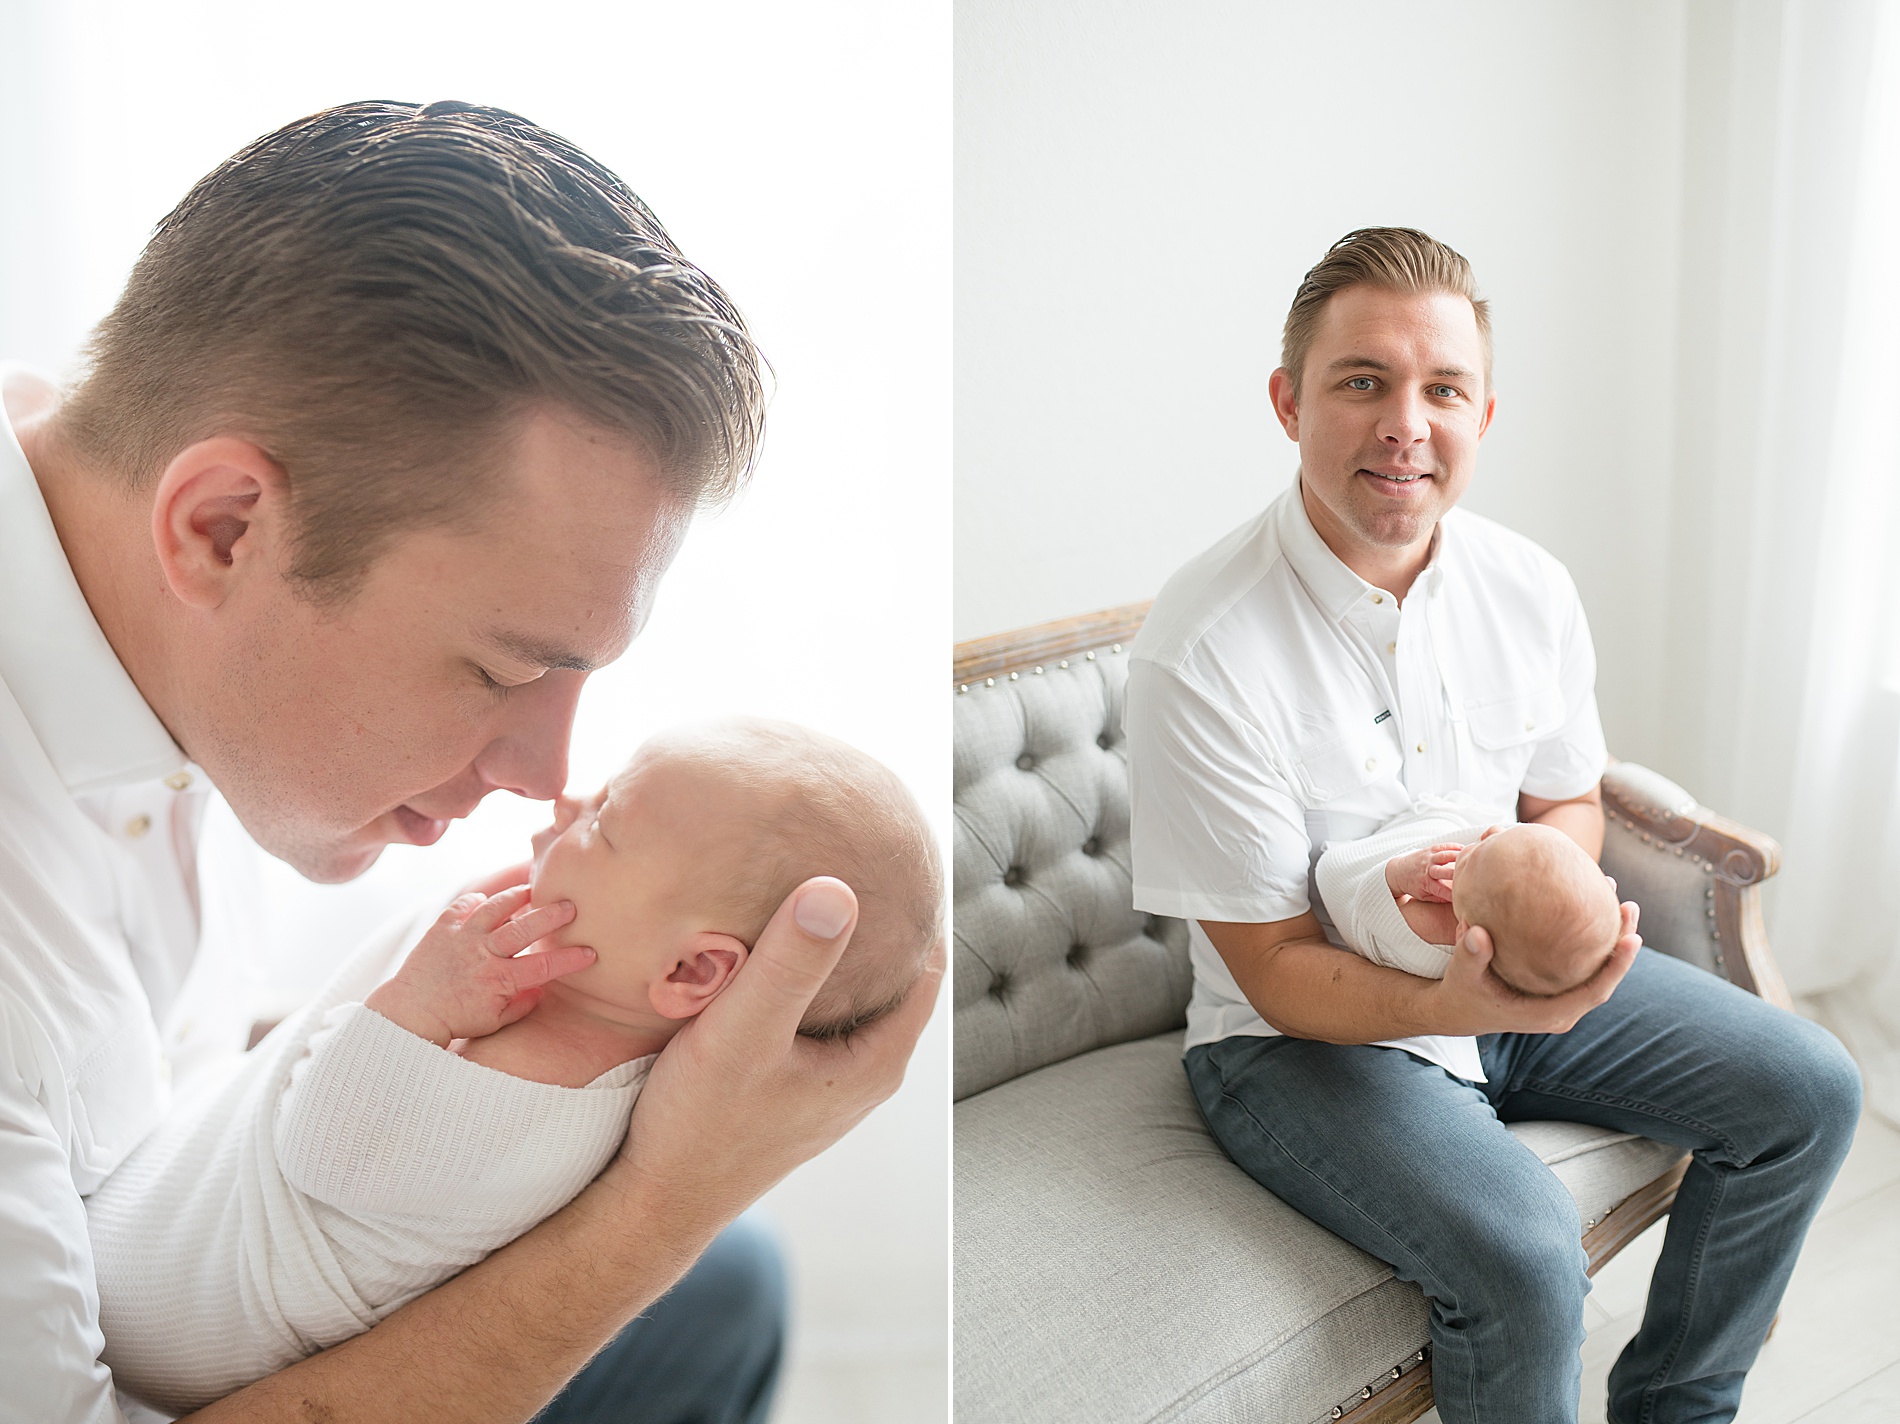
(1415, 1167)
(706, 1353)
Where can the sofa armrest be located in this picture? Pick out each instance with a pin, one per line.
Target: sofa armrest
(1696, 875)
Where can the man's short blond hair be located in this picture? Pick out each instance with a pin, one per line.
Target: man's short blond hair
(1397, 259)
(376, 295)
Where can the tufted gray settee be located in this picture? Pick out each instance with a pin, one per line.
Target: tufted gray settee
(1111, 1263)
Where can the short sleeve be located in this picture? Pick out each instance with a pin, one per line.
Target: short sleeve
(1217, 833)
(1571, 760)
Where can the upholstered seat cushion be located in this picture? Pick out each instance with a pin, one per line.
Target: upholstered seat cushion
(1113, 1265)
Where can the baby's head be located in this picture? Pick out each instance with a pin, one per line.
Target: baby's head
(675, 866)
(1551, 913)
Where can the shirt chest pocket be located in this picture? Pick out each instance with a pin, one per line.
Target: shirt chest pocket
(1329, 769)
(1517, 720)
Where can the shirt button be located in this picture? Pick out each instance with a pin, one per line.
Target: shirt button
(1391, 647)
(178, 780)
(138, 826)
(1372, 763)
(1378, 598)
(1530, 726)
(1421, 746)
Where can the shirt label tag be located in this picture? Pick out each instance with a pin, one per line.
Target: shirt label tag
(1382, 716)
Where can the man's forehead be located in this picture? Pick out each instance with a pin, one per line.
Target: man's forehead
(1371, 325)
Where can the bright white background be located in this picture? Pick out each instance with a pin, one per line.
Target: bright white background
(801, 155)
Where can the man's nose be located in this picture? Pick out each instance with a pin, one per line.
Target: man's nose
(1402, 421)
(528, 754)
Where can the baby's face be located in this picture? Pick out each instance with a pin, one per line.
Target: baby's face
(636, 858)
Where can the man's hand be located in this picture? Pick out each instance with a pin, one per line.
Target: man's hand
(1424, 874)
(468, 977)
(738, 1098)
(1470, 999)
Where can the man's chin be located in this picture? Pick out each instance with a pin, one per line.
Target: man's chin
(1397, 529)
(330, 865)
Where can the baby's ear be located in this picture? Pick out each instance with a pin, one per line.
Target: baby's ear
(703, 967)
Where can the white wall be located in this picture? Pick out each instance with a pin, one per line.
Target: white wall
(823, 597)
(1141, 185)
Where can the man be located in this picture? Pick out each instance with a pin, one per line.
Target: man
(400, 419)
(1361, 644)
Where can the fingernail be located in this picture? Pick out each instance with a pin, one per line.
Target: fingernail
(823, 911)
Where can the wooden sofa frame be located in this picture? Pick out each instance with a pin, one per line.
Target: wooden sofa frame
(1742, 858)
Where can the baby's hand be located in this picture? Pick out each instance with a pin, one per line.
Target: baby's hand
(1423, 874)
(468, 977)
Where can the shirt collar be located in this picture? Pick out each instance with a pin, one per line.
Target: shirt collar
(1333, 586)
(92, 722)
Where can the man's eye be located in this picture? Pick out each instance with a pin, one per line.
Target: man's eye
(498, 689)
(1445, 392)
(1359, 383)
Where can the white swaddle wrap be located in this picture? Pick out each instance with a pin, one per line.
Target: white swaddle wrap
(1350, 876)
(297, 1195)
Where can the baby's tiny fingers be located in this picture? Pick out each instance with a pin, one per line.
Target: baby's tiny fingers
(518, 934)
(533, 970)
(459, 909)
(497, 910)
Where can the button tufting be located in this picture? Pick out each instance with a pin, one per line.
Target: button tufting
(1091, 846)
(1105, 741)
(998, 985)
(1024, 762)
(1077, 953)
(1013, 876)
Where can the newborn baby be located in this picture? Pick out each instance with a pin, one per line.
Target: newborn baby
(1405, 895)
(388, 1135)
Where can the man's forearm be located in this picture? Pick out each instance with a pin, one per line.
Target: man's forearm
(496, 1343)
(1307, 988)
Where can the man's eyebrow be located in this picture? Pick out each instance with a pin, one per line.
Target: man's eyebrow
(538, 654)
(1371, 363)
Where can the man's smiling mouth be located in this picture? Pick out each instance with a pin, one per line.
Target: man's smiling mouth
(1397, 479)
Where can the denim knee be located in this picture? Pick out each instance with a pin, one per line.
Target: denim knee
(1834, 1092)
(1811, 1092)
(1522, 1267)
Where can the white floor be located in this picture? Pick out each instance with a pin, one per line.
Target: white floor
(1835, 1356)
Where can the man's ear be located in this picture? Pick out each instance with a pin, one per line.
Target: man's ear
(703, 968)
(1286, 405)
(220, 512)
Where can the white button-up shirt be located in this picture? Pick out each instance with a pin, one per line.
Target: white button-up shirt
(120, 964)
(1278, 701)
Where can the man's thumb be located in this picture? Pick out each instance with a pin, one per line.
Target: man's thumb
(823, 909)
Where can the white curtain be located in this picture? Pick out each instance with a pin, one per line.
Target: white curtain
(1848, 810)
(1784, 647)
